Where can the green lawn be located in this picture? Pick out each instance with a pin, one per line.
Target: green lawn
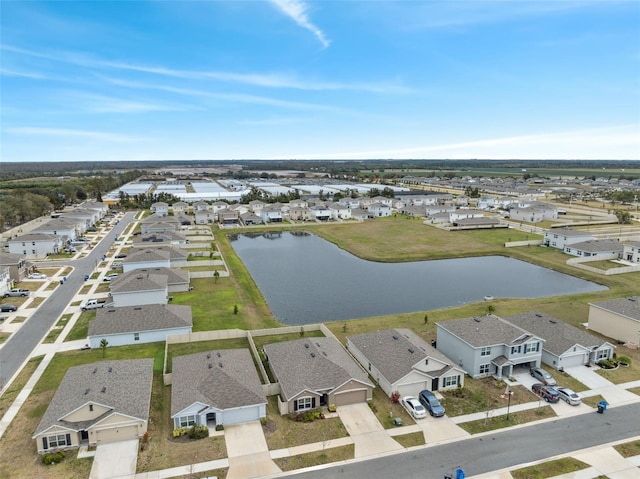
(553, 468)
(515, 418)
(80, 330)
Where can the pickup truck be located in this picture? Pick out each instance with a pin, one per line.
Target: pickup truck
(93, 304)
(17, 292)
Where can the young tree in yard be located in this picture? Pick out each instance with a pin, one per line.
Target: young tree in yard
(103, 345)
(235, 309)
(216, 275)
(491, 309)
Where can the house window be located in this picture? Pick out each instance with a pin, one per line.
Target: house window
(136, 336)
(486, 351)
(603, 354)
(90, 407)
(531, 347)
(450, 381)
(516, 349)
(305, 403)
(484, 368)
(187, 421)
(59, 440)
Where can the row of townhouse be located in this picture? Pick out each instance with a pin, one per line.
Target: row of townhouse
(582, 244)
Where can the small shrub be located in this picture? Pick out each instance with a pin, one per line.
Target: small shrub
(198, 432)
(624, 360)
(180, 431)
(395, 397)
(332, 408)
(263, 421)
(53, 458)
(219, 427)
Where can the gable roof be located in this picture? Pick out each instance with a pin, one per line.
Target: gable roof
(136, 281)
(131, 319)
(174, 275)
(628, 307)
(558, 336)
(35, 237)
(394, 352)
(146, 255)
(596, 246)
(485, 331)
(314, 363)
(222, 379)
(567, 232)
(124, 386)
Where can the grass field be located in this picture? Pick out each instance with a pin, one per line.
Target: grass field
(492, 423)
(550, 469)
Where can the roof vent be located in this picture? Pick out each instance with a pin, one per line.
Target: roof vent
(137, 308)
(208, 355)
(538, 315)
(553, 321)
(210, 365)
(411, 350)
(306, 345)
(95, 370)
(86, 391)
(313, 355)
(318, 344)
(110, 369)
(324, 354)
(218, 354)
(112, 311)
(632, 299)
(395, 337)
(220, 364)
(104, 389)
(477, 320)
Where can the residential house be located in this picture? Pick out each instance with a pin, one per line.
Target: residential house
(180, 207)
(379, 210)
(488, 346)
(359, 214)
(631, 252)
(256, 206)
(147, 258)
(562, 237)
(400, 361)
(534, 214)
(214, 388)
(316, 372)
(147, 323)
(229, 217)
(67, 228)
(202, 206)
(97, 403)
(160, 208)
(414, 210)
(320, 213)
(591, 248)
(158, 224)
(339, 212)
(270, 214)
(101, 208)
(205, 217)
(177, 279)
(165, 238)
(17, 264)
(84, 217)
(5, 280)
(136, 288)
(564, 345)
(35, 246)
(618, 319)
(299, 213)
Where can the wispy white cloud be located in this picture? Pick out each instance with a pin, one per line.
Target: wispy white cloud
(71, 133)
(22, 74)
(598, 143)
(297, 10)
(276, 121)
(106, 104)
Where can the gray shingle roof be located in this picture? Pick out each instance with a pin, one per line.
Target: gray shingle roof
(596, 246)
(132, 319)
(234, 384)
(174, 275)
(314, 363)
(629, 307)
(136, 281)
(558, 336)
(126, 385)
(568, 232)
(485, 331)
(139, 256)
(388, 351)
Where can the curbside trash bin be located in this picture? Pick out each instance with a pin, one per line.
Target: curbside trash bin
(86, 277)
(602, 407)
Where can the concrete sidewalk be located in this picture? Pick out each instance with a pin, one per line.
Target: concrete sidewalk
(369, 437)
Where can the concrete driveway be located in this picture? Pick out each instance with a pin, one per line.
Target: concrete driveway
(115, 460)
(369, 437)
(588, 377)
(248, 451)
(614, 394)
(440, 429)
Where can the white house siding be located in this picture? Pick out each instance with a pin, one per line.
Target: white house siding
(139, 298)
(123, 339)
(33, 249)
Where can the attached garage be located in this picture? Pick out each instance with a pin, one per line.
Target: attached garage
(350, 397)
(113, 434)
(574, 360)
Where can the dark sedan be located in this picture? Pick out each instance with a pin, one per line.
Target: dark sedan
(7, 308)
(548, 393)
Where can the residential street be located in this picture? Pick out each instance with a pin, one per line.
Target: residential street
(495, 451)
(18, 348)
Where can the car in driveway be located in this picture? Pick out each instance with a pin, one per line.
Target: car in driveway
(37, 276)
(543, 376)
(548, 393)
(7, 308)
(120, 256)
(431, 403)
(110, 277)
(569, 396)
(17, 292)
(414, 407)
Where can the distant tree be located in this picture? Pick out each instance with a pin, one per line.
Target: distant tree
(103, 345)
(491, 309)
(99, 197)
(426, 318)
(235, 309)
(624, 217)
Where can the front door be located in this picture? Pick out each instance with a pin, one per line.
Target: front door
(434, 384)
(84, 436)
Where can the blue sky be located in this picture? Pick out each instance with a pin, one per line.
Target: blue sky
(181, 80)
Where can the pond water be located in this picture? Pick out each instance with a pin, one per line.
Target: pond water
(306, 279)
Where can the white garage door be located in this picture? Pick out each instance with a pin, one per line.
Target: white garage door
(575, 360)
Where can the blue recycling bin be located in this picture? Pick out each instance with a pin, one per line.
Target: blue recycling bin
(64, 278)
(602, 407)
(459, 474)
(86, 277)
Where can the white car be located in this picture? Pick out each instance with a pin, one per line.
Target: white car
(37, 276)
(569, 396)
(110, 277)
(414, 407)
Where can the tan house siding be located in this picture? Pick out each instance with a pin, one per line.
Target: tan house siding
(85, 413)
(615, 326)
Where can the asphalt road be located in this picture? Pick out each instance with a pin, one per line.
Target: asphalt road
(18, 348)
(479, 455)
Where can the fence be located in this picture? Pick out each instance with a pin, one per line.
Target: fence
(579, 263)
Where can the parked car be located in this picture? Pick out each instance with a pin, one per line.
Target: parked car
(120, 256)
(37, 276)
(110, 277)
(548, 393)
(569, 396)
(431, 403)
(6, 308)
(414, 407)
(17, 292)
(92, 229)
(542, 376)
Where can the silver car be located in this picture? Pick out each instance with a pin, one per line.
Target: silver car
(569, 396)
(542, 376)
